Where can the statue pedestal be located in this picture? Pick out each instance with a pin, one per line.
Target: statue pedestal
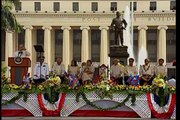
(119, 52)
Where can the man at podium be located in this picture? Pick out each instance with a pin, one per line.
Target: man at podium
(22, 52)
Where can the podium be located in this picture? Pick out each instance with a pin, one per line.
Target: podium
(18, 69)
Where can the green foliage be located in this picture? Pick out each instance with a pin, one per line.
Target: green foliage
(8, 19)
(54, 91)
(98, 107)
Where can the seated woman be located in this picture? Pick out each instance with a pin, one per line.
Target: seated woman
(73, 70)
(88, 72)
(102, 73)
(146, 72)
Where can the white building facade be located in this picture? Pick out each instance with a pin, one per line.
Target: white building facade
(79, 29)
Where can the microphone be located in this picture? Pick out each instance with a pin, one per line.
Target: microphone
(19, 53)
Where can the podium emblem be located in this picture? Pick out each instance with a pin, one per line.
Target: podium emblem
(18, 60)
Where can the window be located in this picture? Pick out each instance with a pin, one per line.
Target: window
(56, 6)
(21, 37)
(113, 6)
(134, 6)
(18, 6)
(75, 6)
(152, 5)
(58, 43)
(37, 6)
(95, 45)
(135, 44)
(39, 40)
(173, 5)
(171, 45)
(77, 41)
(111, 37)
(152, 44)
(94, 6)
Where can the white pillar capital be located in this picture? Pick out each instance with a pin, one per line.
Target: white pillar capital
(65, 27)
(47, 27)
(28, 27)
(104, 27)
(84, 27)
(142, 27)
(162, 27)
(9, 31)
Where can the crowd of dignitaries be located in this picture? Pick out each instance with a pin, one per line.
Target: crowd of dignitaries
(87, 72)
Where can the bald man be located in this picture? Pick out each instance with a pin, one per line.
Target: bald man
(22, 52)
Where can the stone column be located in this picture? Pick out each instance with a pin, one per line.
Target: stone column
(29, 45)
(47, 45)
(142, 39)
(104, 46)
(9, 48)
(66, 46)
(85, 45)
(161, 48)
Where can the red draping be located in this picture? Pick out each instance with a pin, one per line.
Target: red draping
(51, 112)
(15, 112)
(99, 113)
(166, 115)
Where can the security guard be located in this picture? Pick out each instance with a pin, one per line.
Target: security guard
(41, 68)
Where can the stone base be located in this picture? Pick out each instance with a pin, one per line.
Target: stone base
(119, 52)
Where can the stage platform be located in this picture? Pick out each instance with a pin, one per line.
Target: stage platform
(67, 106)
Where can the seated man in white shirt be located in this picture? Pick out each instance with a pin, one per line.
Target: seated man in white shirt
(146, 73)
(41, 71)
(59, 69)
(22, 52)
(161, 69)
(116, 72)
(130, 70)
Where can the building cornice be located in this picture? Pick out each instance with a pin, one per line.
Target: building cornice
(93, 0)
(52, 14)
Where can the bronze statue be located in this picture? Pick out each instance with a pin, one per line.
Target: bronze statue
(117, 26)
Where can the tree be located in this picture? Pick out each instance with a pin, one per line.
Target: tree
(8, 19)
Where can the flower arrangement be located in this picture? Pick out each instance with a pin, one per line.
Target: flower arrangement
(50, 86)
(161, 88)
(104, 88)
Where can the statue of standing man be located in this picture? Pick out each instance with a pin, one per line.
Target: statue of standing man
(117, 26)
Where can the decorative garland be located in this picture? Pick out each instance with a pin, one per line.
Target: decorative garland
(166, 115)
(47, 112)
(100, 108)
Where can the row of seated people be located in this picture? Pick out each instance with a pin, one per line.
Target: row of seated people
(86, 73)
(147, 72)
